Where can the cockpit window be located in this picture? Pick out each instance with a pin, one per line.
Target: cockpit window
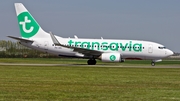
(162, 47)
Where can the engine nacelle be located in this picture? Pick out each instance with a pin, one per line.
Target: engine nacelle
(111, 57)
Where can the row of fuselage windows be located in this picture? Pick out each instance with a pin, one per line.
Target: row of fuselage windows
(103, 46)
(108, 46)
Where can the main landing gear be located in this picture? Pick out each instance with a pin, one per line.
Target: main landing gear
(91, 62)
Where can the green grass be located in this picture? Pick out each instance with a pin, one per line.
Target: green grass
(87, 83)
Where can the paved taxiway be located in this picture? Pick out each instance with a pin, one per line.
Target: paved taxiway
(98, 65)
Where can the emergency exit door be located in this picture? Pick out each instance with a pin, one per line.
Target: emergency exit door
(150, 49)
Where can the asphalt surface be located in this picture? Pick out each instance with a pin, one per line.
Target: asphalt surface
(98, 65)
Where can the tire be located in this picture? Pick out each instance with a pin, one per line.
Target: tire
(91, 62)
(152, 63)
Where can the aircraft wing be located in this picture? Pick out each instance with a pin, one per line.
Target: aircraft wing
(84, 50)
(20, 39)
(77, 49)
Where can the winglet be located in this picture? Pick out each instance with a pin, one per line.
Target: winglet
(55, 41)
(75, 37)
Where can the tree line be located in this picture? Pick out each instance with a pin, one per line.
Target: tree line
(10, 49)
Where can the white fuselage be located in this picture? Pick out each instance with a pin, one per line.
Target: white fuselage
(129, 49)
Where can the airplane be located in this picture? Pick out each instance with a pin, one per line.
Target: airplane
(106, 50)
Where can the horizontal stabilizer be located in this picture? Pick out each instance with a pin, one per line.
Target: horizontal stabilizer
(20, 39)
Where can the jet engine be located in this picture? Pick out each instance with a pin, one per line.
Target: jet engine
(111, 57)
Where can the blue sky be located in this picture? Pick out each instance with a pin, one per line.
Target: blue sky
(152, 20)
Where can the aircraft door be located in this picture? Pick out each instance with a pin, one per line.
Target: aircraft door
(150, 49)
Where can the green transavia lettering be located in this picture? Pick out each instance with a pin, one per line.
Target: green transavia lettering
(113, 46)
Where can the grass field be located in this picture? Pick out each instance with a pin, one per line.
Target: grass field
(88, 83)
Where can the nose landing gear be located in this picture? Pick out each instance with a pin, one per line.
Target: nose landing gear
(152, 63)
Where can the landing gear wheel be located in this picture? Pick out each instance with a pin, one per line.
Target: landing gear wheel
(91, 62)
(152, 63)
